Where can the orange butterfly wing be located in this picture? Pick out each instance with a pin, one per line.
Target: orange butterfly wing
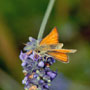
(52, 38)
(59, 56)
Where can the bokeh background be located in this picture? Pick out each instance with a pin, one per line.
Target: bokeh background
(20, 19)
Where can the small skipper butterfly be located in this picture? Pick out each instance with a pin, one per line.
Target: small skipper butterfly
(50, 46)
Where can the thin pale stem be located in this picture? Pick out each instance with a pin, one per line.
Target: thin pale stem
(45, 19)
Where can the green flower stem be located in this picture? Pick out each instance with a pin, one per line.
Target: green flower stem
(45, 19)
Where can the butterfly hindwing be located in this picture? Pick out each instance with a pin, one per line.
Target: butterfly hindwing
(59, 56)
(52, 38)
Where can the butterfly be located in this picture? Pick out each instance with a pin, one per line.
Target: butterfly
(50, 46)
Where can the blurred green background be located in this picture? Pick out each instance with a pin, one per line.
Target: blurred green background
(20, 19)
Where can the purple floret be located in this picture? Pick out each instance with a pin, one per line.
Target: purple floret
(23, 56)
(52, 74)
(41, 64)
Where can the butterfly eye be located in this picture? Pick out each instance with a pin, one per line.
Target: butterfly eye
(38, 51)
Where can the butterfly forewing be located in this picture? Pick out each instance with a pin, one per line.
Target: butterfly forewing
(52, 38)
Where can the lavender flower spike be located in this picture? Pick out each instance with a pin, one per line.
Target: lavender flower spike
(38, 75)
